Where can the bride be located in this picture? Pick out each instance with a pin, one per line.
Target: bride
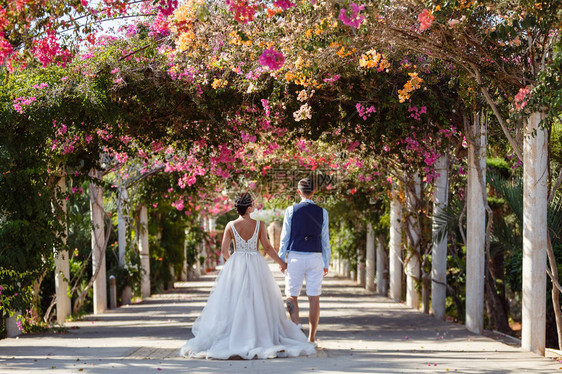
(244, 316)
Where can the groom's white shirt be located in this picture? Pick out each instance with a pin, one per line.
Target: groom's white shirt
(286, 235)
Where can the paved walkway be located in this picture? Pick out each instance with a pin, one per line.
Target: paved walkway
(359, 333)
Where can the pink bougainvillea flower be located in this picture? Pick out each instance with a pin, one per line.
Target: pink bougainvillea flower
(6, 49)
(243, 11)
(426, 19)
(179, 205)
(167, 7)
(521, 99)
(160, 26)
(355, 19)
(156, 146)
(364, 112)
(48, 49)
(20, 102)
(283, 4)
(273, 59)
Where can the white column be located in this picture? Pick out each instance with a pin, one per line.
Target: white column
(98, 243)
(122, 234)
(144, 251)
(395, 244)
(62, 268)
(370, 258)
(412, 255)
(476, 229)
(380, 262)
(535, 192)
(122, 223)
(439, 247)
(360, 269)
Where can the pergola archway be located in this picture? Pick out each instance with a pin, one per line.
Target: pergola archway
(213, 122)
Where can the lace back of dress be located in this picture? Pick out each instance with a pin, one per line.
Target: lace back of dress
(246, 246)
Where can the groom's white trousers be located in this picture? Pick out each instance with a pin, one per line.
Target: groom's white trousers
(304, 266)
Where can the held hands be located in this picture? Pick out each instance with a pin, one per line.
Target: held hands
(283, 267)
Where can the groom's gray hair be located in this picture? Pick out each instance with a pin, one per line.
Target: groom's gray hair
(306, 186)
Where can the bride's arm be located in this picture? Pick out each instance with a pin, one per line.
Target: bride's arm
(269, 248)
(226, 239)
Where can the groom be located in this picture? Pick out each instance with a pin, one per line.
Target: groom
(305, 246)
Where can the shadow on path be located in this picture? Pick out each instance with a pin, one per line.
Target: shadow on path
(359, 332)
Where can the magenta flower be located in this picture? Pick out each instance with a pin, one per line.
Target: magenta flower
(179, 205)
(160, 26)
(48, 49)
(273, 59)
(167, 7)
(6, 49)
(355, 19)
(283, 4)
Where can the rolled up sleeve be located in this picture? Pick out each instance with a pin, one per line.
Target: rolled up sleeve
(285, 233)
(326, 250)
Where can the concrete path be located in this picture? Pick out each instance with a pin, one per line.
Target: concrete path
(359, 333)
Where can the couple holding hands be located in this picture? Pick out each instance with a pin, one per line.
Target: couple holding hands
(244, 315)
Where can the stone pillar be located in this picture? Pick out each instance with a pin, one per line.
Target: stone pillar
(370, 259)
(62, 267)
(98, 243)
(395, 244)
(439, 247)
(476, 228)
(144, 251)
(381, 264)
(412, 261)
(535, 204)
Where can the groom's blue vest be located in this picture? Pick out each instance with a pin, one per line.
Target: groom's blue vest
(306, 228)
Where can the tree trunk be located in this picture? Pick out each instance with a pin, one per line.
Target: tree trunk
(555, 292)
(496, 309)
(476, 227)
(439, 248)
(535, 204)
(370, 260)
(395, 244)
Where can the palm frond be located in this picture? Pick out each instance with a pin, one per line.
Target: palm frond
(447, 219)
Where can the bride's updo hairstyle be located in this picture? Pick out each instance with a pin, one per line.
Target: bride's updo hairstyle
(243, 202)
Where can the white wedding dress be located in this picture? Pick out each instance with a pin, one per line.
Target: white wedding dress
(244, 315)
